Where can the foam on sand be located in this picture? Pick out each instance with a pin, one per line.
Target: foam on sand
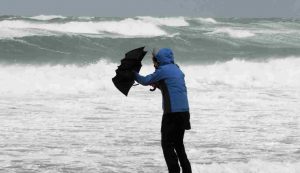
(253, 166)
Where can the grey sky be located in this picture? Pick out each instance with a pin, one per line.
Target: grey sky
(204, 8)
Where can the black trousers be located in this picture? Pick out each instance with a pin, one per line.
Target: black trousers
(172, 134)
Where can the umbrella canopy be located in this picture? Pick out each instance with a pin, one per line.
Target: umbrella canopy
(124, 78)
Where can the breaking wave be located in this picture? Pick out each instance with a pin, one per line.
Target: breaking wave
(240, 73)
(127, 27)
(72, 79)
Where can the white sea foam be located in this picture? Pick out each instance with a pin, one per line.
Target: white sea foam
(254, 166)
(56, 79)
(207, 20)
(239, 73)
(127, 27)
(167, 21)
(8, 33)
(48, 17)
(235, 33)
(278, 73)
(92, 127)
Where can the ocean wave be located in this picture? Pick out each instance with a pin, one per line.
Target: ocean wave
(72, 79)
(59, 79)
(127, 27)
(272, 73)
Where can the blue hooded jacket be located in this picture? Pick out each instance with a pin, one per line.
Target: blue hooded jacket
(170, 80)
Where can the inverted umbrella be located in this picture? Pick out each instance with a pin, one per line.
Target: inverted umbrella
(124, 78)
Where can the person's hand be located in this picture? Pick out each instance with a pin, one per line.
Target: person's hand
(153, 85)
(133, 74)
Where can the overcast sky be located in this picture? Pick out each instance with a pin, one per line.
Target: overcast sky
(201, 8)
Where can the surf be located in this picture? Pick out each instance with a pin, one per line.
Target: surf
(96, 77)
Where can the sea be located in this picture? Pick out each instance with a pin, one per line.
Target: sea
(61, 113)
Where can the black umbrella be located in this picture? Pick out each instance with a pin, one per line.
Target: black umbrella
(124, 78)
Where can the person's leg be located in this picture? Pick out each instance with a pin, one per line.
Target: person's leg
(167, 143)
(169, 153)
(180, 150)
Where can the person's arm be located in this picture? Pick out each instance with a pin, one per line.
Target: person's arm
(149, 79)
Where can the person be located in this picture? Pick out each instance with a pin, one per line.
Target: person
(176, 117)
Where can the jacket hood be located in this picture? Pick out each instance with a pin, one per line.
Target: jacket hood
(165, 56)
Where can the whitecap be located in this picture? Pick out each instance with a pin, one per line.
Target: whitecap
(166, 21)
(47, 17)
(234, 33)
(207, 20)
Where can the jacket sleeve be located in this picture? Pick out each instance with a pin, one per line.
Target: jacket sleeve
(149, 79)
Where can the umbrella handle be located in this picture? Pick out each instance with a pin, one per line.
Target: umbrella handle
(152, 89)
